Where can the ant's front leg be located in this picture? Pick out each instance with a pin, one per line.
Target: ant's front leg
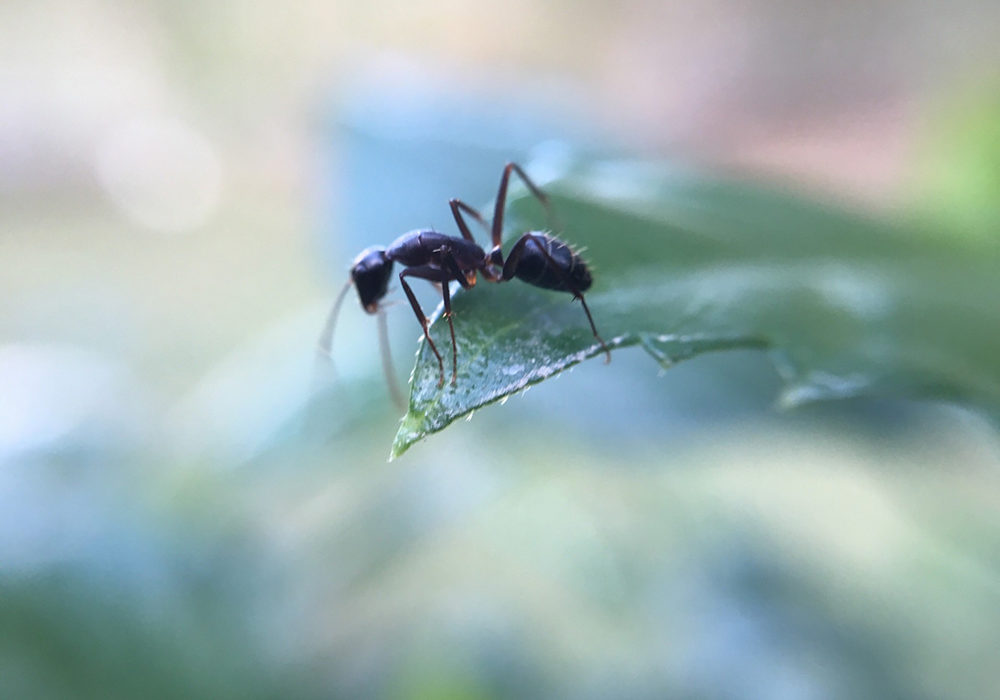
(434, 274)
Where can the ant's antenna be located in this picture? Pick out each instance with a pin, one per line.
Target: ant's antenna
(324, 348)
(387, 366)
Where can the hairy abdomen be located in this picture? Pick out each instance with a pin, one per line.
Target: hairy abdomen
(568, 273)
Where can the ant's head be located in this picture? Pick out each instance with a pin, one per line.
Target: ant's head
(370, 274)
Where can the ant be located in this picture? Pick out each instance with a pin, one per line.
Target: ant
(537, 258)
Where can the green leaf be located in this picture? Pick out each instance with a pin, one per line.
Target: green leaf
(844, 304)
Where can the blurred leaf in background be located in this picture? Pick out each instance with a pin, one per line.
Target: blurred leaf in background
(957, 176)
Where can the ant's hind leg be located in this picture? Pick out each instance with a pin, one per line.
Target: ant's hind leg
(586, 310)
(514, 259)
(501, 202)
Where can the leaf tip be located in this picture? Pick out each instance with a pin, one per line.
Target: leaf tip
(409, 432)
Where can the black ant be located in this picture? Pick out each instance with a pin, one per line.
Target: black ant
(537, 258)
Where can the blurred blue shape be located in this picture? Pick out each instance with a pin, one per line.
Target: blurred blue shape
(274, 393)
(400, 149)
(63, 398)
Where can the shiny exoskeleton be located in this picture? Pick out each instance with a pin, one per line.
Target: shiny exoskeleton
(537, 258)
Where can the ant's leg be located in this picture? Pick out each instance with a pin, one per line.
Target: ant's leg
(433, 274)
(419, 313)
(454, 269)
(457, 207)
(456, 272)
(514, 259)
(501, 203)
(446, 294)
(586, 310)
(495, 257)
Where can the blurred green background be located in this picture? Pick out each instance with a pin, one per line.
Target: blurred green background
(182, 514)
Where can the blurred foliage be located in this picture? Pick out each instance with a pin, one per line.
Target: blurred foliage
(186, 512)
(512, 575)
(612, 535)
(958, 169)
(846, 305)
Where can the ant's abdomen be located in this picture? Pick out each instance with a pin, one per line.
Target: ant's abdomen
(559, 267)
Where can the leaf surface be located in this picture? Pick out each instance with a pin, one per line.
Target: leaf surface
(844, 304)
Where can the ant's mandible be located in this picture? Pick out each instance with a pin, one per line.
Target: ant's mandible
(537, 258)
